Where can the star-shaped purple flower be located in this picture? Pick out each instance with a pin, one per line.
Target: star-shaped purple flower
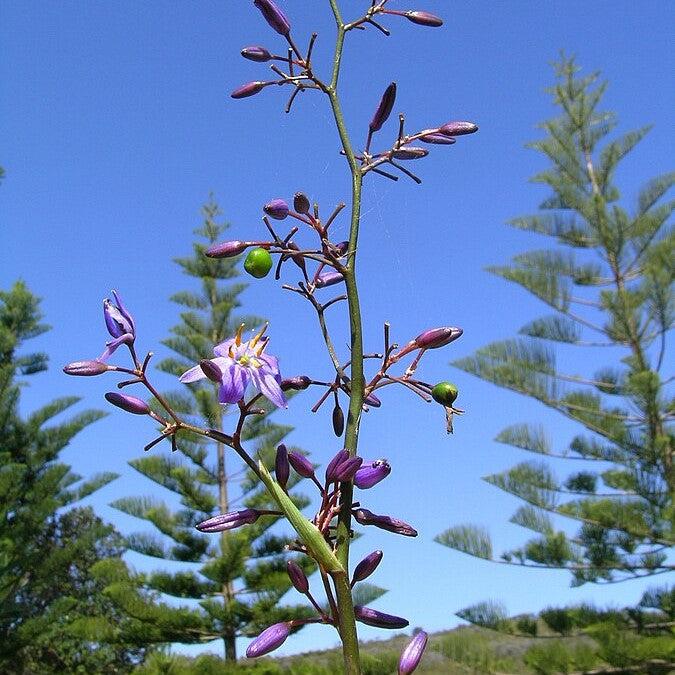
(240, 364)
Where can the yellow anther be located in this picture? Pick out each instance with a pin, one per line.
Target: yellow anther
(230, 351)
(257, 337)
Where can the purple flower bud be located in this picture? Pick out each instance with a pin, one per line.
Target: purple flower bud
(329, 278)
(228, 521)
(384, 108)
(211, 370)
(424, 19)
(372, 401)
(409, 152)
(371, 617)
(367, 566)
(277, 209)
(118, 321)
(298, 383)
(130, 404)
(270, 639)
(249, 89)
(366, 517)
(345, 471)
(274, 16)
(340, 457)
(297, 576)
(371, 473)
(301, 464)
(342, 247)
(438, 337)
(256, 53)
(282, 468)
(297, 259)
(438, 139)
(85, 368)
(458, 128)
(338, 420)
(228, 249)
(412, 654)
(301, 203)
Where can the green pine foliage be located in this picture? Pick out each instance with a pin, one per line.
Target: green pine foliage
(237, 578)
(47, 591)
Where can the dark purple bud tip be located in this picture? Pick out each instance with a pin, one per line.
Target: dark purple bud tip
(412, 654)
(409, 152)
(366, 517)
(458, 128)
(424, 19)
(270, 639)
(282, 467)
(229, 521)
(367, 566)
(347, 470)
(301, 203)
(256, 53)
(371, 617)
(297, 576)
(438, 337)
(437, 139)
(249, 89)
(86, 368)
(445, 393)
(329, 278)
(274, 16)
(211, 370)
(340, 457)
(384, 108)
(130, 404)
(277, 209)
(303, 467)
(372, 401)
(338, 421)
(228, 249)
(371, 473)
(297, 383)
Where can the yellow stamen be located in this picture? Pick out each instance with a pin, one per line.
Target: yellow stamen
(257, 337)
(237, 337)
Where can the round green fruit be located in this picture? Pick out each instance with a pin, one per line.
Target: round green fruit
(258, 263)
(445, 393)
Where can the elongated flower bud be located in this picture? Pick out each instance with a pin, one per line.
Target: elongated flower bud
(458, 128)
(438, 337)
(118, 321)
(412, 654)
(277, 209)
(371, 473)
(438, 139)
(297, 576)
(367, 566)
(86, 368)
(249, 89)
(298, 383)
(301, 203)
(366, 517)
(384, 108)
(372, 401)
(338, 420)
(329, 278)
(371, 617)
(424, 19)
(282, 467)
(130, 404)
(229, 521)
(301, 464)
(211, 370)
(274, 16)
(256, 53)
(270, 639)
(346, 471)
(409, 152)
(228, 249)
(341, 456)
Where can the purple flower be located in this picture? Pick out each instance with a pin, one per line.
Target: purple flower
(384, 108)
(120, 325)
(256, 53)
(242, 363)
(366, 517)
(249, 89)
(424, 19)
(228, 521)
(371, 617)
(130, 404)
(86, 368)
(340, 457)
(297, 576)
(274, 16)
(412, 654)
(371, 473)
(438, 337)
(367, 566)
(277, 209)
(269, 640)
(329, 278)
(227, 249)
(303, 467)
(345, 472)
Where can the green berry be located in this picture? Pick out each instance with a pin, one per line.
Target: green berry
(258, 263)
(445, 393)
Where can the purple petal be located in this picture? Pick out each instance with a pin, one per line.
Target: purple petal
(124, 311)
(223, 348)
(192, 375)
(125, 339)
(272, 362)
(235, 379)
(268, 383)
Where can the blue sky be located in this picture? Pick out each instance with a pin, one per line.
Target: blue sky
(117, 124)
